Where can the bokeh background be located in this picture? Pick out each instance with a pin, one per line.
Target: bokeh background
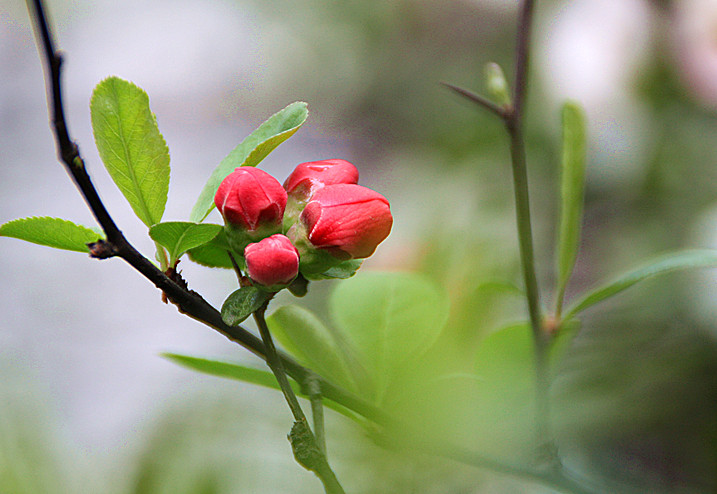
(88, 405)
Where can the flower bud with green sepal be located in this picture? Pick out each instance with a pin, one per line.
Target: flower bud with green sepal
(252, 203)
(272, 263)
(309, 177)
(340, 222)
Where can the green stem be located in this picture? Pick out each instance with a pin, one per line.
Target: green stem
(317, 410)
(276, 366)
(162, 256)
(527, 257)
(307, 451)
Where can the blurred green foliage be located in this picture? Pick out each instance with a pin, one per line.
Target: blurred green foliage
(635, 398)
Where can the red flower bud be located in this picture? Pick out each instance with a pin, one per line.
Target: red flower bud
(309, 177)
(272, 262)
(250, 198)
(347, 220)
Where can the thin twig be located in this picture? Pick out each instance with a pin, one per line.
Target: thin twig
(306, 448)
(541, 339)
(480, 100)
(317, 410)
(513, 118)
(276, 366)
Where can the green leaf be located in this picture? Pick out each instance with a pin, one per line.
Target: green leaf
(247, 374)
(241, 303)
(52, 232)
(305, 337)
(131, 147)
(387, 318)
(663, 264)
(232, 371)
(179, 236)
(572, 192)
(278, 128)
(213, 254)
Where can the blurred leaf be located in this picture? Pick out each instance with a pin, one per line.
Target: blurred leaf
(663, 264)
(387, 318)
(507, 356)
(52, 232)
(248, 375)
(213, 254)
(232, 371)
(131, 147)
(278, 128)
(179, 236)
(562, 341)
(304, 336)
(572, 193)
(242, 303)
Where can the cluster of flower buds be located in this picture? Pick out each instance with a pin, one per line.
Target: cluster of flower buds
(317, 220)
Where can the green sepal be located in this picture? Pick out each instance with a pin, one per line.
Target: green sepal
(342, 271)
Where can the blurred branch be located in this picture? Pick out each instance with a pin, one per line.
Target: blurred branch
(480, 100)
(513, 117)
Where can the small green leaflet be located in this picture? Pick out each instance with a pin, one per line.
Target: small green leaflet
(571, 192)
(179, 236)
(131, 147)
(242, 303)
(663, 264)
(52, 232)
(278, 128)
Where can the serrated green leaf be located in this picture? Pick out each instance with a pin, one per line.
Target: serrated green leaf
(572, 193)
(305, 337)
(278, 128)
(214, 254)
(248, 375)
(131, 147)
(180, 236)
(52, 232)
(663, 264)
(242, 303)
(387, 318)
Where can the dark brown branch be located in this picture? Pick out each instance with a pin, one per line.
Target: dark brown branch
(189, 303)
(522, 59)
